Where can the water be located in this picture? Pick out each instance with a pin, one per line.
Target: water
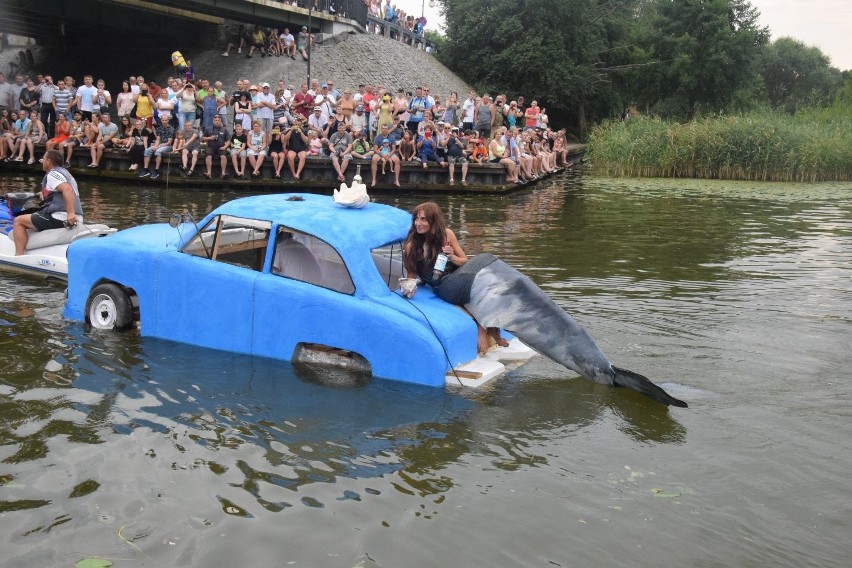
(736, 297)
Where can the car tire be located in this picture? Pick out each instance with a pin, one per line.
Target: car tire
(108, 307)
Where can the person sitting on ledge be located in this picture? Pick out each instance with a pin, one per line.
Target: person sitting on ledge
(164, 137)
(426, 149)
(340, 145)
(191, 147)
(296, 142)
(456, 155)
(391, 156)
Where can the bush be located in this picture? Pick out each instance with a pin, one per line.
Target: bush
(760, 146)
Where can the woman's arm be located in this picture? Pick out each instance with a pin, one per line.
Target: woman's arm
(454, 250)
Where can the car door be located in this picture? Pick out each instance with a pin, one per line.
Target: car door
(206, 293)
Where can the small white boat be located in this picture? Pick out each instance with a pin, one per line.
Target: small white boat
(45, 253)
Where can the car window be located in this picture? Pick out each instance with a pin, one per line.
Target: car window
(388, 261)
(306, 258)
(234, 240)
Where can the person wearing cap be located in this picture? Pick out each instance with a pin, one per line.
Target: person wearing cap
(340, 145)
(358, 120)
(456, 155)
(264, 104)
(317, 123)
(295, 139)
(283, 96)
(254, 91)
(361, 148)
(417, 108)
(326, 101)
(392, 157)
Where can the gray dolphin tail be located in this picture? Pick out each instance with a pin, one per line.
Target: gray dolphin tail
(635, 381)
(500, 296)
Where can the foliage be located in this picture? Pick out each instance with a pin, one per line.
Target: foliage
(705, 52)
(796, 75)
(757, 146)
(560, 53)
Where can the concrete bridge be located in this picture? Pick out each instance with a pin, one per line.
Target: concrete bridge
(70, 23)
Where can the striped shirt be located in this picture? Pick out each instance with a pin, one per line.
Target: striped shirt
(62, 98)
(46, 93)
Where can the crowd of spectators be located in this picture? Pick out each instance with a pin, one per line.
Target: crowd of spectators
(241, 128)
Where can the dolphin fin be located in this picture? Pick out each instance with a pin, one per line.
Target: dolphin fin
(635, 381)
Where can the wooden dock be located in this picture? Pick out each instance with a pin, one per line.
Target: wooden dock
(318, 174)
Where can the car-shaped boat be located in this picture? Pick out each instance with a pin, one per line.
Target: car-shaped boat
(289, 277)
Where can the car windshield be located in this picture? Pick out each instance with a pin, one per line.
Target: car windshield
(233, 240)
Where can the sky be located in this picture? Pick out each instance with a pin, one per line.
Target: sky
(826, 24)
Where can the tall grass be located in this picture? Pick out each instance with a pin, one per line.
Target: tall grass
(768, 147)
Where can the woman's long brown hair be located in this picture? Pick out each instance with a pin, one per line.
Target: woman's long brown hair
(432, 242)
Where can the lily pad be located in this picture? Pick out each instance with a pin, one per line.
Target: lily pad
(93, 563)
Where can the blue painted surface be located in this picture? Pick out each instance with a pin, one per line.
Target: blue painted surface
(217, 305)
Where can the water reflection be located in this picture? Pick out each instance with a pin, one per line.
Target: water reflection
(738, 294)
(258, 423)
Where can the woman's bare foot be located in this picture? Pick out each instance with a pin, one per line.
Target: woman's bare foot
(494, 333)
(481, 340)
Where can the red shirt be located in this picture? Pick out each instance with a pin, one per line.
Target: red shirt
(530, 115)
(307, 107)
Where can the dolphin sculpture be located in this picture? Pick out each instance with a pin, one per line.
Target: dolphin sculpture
(498, 295)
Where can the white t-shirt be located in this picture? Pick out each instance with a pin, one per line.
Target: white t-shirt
(467, 110)
(265, 112)
(87, 95)
(287, 39)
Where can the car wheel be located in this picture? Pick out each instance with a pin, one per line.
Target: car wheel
(108, 307)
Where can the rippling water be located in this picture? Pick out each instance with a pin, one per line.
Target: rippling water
(735, 296)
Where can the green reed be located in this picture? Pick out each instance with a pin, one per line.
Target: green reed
(767, 147)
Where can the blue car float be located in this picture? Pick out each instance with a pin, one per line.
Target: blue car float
(294, 277)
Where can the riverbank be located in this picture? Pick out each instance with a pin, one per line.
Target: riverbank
(757, 147)
(318, 174)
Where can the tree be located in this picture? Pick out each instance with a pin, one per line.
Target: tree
(797, 75)
(706, 52)
(562, 53)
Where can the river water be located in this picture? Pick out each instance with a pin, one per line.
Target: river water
(737, 297)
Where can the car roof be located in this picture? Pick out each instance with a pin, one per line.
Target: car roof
(345, 229)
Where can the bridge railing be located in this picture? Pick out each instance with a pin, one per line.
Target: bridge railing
(395, 31)
(350, 9)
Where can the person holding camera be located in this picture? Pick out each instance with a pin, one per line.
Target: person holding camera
(341, 149)
(296, 142)
(417, 108)
(426, 147)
